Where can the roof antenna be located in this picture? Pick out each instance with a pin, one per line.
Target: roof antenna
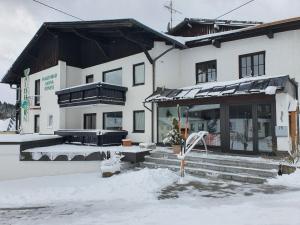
(170, 8)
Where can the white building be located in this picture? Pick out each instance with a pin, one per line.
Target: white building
(96, 75)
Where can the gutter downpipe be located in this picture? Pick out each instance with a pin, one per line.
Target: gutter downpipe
(153, 63)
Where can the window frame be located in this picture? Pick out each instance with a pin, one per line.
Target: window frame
(88, 77)
(84, 120)
(103, 118)
(252, 64)
(206, 74)
(133, 67)
(107, 71)
(134, 124)
(37, 118)
(37, 101)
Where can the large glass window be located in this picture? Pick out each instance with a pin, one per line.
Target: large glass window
(139, 74)
(241, 128)
(252, 64)
(200, 117)
(113, 76)
(112, 121)
(206, 71)
(89, 121)
(264, 124)
(139, 121)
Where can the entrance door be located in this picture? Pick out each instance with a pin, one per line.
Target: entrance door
(36, 123)
(249, 128)
(241, 128)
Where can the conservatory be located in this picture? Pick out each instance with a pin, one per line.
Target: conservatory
(251, 115)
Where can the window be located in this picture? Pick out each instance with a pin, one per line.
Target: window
(50, 121)
(36, 123)
(206, 71)
(112, 121)
(89, 121)
(89, 79)
(139, 121)
(37, 92)
(113, 76)
(139, 74)
(252, 65)
(201, 117)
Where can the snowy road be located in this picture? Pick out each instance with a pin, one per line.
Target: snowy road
(148, 197)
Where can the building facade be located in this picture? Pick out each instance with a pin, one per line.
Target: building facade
(97, 75)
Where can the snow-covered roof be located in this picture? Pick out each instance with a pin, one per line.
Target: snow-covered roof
(268, 85)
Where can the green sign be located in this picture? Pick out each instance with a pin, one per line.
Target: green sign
(49, 82)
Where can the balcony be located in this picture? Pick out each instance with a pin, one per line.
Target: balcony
(90, 94)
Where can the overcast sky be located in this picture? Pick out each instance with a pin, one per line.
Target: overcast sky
(20, 19)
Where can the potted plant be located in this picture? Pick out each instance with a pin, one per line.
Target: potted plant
(173, 137)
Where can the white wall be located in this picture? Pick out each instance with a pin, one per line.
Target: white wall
(282, 56)
(12, 168)
(48, 100)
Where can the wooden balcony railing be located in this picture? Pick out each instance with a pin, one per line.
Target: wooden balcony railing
(94, 93)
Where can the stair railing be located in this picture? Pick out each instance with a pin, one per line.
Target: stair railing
(189, 144)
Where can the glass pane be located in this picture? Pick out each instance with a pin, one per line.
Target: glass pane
(200, 117)
(113, 77)
(241, 129)
(244, 72)
(212, 76)
(249, 71)
(255, 72)
(139, 121)
(261, 70)
(205, 118)
(139, 74)
(255, 60)
(249, 61)
(264, 123)
(261, 59)
(244, 63)
(201, 78)
(112, 121)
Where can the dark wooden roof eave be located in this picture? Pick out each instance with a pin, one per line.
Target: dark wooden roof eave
(260, 30)
(12, 78)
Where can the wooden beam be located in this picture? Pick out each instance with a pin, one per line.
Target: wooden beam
(140, 44)
(100, 48)
(216, 43)
(270, 34)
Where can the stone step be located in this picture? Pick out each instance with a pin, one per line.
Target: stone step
(215, 167)
(220, 160)
(209, 173)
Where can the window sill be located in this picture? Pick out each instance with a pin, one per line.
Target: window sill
(138, 131)
(135, 85)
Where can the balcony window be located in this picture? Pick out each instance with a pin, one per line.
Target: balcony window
(89, 121)
(206, 71)
(139, 74)
(112, 121)
(113, 76)
(252, 65)
(89, 79)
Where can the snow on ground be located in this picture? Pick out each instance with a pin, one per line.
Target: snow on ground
(25, 137)
(71, 148)
(148, 197)
(4, 124)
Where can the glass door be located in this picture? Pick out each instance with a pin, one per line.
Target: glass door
(241, 128)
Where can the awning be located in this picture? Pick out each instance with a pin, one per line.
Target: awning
(255, 85)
